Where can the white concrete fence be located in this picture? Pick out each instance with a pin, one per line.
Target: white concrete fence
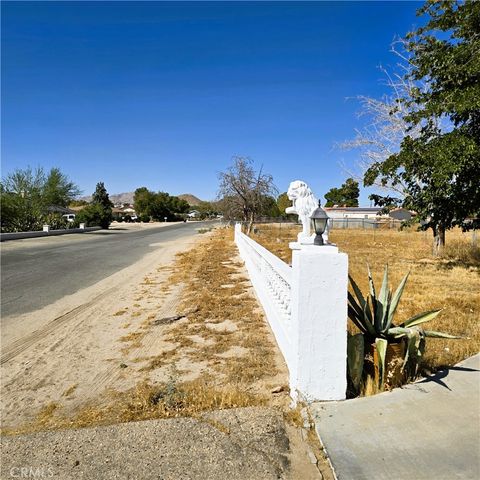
(46, 232)
(306, 307)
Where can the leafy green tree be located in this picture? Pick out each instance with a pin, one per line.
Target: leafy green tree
(345, 196)
(101, 199)
(177, 205)
(78, 203)
(58, 190)
(27, 194)
(439, 165)
(21, 200)
(283, 202)
(142, 199)
(92, 216)
(158, 205)
(99, 212)
(160, 208)
(207, 209)
(269, 207)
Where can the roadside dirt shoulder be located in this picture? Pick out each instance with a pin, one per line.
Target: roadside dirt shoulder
(187, 339)
(71, 350)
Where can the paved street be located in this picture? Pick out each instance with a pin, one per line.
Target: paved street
(37, 272)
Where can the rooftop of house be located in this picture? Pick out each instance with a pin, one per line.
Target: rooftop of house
(59, 209)
(355, 209)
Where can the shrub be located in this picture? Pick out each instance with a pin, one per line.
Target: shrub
(94, 215)
(56, 221)
(373, 315)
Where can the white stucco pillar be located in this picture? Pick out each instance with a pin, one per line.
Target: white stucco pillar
(319, 321)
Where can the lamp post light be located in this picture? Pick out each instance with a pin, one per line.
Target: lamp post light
(319, 219)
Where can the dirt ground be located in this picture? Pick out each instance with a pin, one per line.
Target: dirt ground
(99, 356)
(71, 351)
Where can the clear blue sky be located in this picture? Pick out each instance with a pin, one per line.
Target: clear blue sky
(162, 95)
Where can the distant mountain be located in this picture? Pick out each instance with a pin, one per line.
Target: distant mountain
(192, 200)
(127, 197)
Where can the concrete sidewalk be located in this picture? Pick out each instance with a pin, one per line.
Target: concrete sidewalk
(182, 448)
(251, 443)
(424, 431)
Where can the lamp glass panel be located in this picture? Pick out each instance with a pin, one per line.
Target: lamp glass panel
(320, 224)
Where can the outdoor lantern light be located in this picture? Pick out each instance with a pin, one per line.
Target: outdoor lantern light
(319, 219)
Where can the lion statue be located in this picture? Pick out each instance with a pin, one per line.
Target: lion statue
(304, 203)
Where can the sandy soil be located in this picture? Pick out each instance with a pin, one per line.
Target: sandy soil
(70, 351)
(105, 338)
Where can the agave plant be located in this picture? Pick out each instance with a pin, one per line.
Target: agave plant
(373, 315)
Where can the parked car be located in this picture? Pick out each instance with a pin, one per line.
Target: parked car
(70, 217)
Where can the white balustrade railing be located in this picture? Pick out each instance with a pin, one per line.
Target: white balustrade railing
(306, 307)
(271, 279)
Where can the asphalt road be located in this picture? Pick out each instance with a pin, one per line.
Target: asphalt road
(37, 272)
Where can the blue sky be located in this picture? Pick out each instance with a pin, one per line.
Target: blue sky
(163, 94)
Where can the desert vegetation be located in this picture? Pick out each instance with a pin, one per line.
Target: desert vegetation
(217, 351)
(450, 282)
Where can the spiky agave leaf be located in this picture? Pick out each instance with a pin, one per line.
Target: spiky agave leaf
(373, 299)
(420, 318)
(381, 345)
(355, 356)
(398, 332)
(368, 318)
(395, 299)
(382, 304)
(433, 334)
(355, 313)
(359, 315)
(351, 300)
(358, 292)
(363, 302)
(413, 343)
(355, 318)
(371, 284)
(387, 311)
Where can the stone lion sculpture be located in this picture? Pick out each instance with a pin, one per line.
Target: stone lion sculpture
(304, 203)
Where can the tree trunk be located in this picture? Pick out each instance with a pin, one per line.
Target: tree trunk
(250, 223)
(438, 240)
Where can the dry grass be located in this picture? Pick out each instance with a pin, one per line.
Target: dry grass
(294, 416)
(451, 282)
(70, 390)
(132, 337)
(133, 341)
(161, 360)
(224, 333)
(225, 315)
(144, 402)
(369, 387)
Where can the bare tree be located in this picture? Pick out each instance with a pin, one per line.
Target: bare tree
(243, 192)
(383, 135)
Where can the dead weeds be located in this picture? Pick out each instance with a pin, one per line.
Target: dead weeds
(143, 402)
(450, 282)
(223, 335)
